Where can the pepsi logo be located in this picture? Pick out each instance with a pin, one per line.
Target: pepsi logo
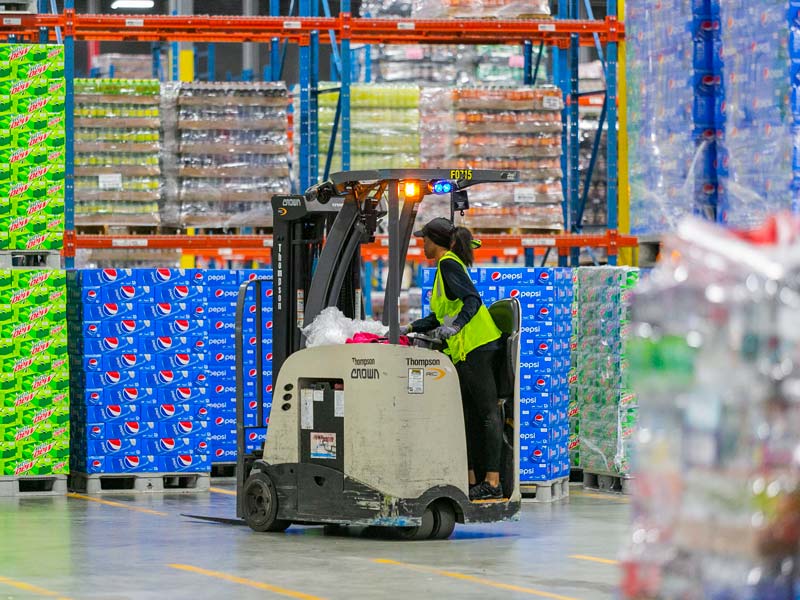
(166, 376)
(164, 308)
(537, 453)
(93, 362)
(165, 343)
(219, 389)
(540, 382)
(252, 341)
(91, 295)
(184, 393)
(269, 356)
(185, 426)
(538, 418)
(166, 444)
(252, 372)
(201, 378)
(166, 410)
(253, 404)
(203, 412)
(128, 292)
(513, 294)
(129, 360)
(130, 393)
(131, 427)
(114, 445)
(94, 396)
(219, 452)
(253, 309)
(182, 325)
(220, 356)
(199, 310)
(269, 389)
(199, 344)
(129, 325)
(112, 377)
(97, 463)
(219, 325)
(198, 276)
(109, 275)
(252, 436)
(269, 293)
(543, 347)
(131, 462)
(110, 343)
(164, 274)
(92, 328)
(181, 291)
(219, 293)
(113, 410)
(251, 277)
(544, 276)
(96, 429)
(183, 359)
(110, 309)
(269, 324)
(219, 421)
(544, 311)
(496, 276)
(202, 446)
(185, 460)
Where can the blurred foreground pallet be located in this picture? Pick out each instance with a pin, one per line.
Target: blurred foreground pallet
(546, 491)
(126, 483)
(33, 485)
(606, 482)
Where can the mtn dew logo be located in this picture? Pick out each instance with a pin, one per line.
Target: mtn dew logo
(55, 121)
(21, 296)
(60, 432)
(24, 399)
(20, 52)
(54, 156)
(59, 363)
(25, 432)
(35, 241)
(20, 155)
(20, 87)
(54, 87)
(43, 449)
(38, 104)
(21, 330)
(38, 138)
(39, 313)
(57, 329)
(24, 467)
(20, 121)
(38, 173)
(37, 207)
(18, 189)
(55, 189)
(56, 295)
(54, 53)
(54, 223)
(20, 223)
(41, 347)
(43, 415)
(59, 398)
(42, 381)
(22, 364)
(40, 69)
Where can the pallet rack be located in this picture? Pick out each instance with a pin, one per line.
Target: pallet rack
(566, 34)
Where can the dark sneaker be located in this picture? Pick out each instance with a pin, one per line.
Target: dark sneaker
(485, 491)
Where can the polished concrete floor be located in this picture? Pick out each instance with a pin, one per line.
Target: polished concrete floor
(124, 547)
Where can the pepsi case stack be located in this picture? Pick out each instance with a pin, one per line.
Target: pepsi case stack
(153, 368)
(545, 295)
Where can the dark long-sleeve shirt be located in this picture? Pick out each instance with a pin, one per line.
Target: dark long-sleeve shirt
(457, 285)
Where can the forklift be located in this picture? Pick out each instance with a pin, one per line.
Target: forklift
(362, 434)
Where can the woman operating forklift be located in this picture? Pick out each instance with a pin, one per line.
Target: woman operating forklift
(473, 340)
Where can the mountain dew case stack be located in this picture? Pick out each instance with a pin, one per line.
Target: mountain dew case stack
(32, 146)
(603, 410)
(34, 373)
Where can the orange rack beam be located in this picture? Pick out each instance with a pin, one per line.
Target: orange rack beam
(204, 28)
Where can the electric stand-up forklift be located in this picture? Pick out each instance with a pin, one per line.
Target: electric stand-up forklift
(362, 434)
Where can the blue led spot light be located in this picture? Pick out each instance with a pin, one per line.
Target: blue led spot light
(441, 187)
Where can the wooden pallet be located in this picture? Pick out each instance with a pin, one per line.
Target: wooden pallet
(607, 482)
(33, 485)
(139, 483)
(546, 491)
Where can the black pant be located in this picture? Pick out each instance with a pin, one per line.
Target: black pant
(481, 411)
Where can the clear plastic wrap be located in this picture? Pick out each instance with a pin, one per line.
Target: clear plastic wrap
(227, 153)
(604, 409)
(331, 327)
(479, 9)
(716, 505)
(124, 66)
(663, 153)
(117, 152)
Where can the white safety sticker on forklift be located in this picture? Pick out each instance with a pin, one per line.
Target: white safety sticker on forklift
(319, 395)
(323, 445)
(307, 409)
(416, 381)
(338, 403)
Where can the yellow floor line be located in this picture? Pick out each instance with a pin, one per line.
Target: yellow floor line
(597, 559)
(34, 589)
(217, 490)
(118, 505)
(242, 581)
(613, 497)
(473, 579)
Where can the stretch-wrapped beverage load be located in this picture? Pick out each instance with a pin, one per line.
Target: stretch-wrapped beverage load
(603, 408)
(32, 152)
(154, 368)
(716, 495)
(226, 153)
(117, 152)
(480, 9)
(34, 378)
(662, 148)
(755, 165)
(545, 295)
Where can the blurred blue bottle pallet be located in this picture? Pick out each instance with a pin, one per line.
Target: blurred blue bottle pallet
(153, 370)
(545, 295)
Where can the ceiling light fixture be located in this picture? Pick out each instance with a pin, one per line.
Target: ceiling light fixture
(140, 4)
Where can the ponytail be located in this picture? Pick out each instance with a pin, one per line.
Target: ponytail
(461, 245)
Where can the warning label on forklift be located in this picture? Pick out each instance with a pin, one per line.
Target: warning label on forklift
(338, 403)
(323, 445)
(307, 409)
(416, 381)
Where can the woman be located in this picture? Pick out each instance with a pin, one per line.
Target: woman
(459, 316)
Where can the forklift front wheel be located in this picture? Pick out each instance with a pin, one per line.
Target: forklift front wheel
(444, 520)
(420, 532)
(261, 504)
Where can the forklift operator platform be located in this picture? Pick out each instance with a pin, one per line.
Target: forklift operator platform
(363, 434)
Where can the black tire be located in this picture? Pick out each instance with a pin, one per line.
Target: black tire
(260, 504)
(420, 532)
(444, 518)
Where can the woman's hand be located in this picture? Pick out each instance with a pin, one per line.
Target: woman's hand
(446, 331)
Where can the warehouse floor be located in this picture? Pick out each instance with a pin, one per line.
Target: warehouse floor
(120, 547)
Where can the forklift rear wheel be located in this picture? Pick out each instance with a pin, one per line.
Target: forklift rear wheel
(444, 520)
(420, 532)
(261, 504)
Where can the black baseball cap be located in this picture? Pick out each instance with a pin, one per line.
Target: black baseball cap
(439, 230)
